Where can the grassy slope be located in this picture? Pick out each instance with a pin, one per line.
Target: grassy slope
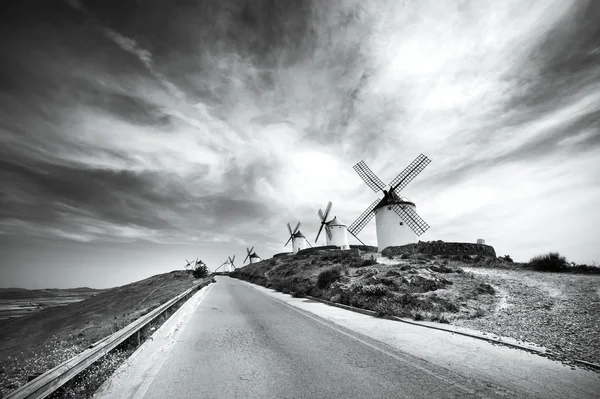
(418, 287)
(36, 343)
(557, 310)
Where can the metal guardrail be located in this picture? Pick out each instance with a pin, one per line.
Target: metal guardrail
(47, 383)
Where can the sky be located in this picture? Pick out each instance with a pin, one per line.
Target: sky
(135, 134)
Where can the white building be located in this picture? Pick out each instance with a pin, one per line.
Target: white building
(339, 234)
(298, 242)
(392, 230)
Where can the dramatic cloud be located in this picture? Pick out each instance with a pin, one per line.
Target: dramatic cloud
(209, 125)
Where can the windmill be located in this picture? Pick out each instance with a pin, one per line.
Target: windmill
(298, 239)
(252, 255)
(229, 266)
(199, 263)
(188, 264)
(335, 231)
(396, 218)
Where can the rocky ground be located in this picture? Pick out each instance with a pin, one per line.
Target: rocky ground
(558, 311)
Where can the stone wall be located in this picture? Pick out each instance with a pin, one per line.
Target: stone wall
(364, 248)
(281, 254)
(442, 248)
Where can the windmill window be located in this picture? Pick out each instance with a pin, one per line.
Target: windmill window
(401, 223)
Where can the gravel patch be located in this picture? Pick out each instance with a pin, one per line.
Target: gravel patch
(558, 311)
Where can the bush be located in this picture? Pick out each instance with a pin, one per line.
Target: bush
(201, 271)
(329, 276)
(551, 262)
(367, 262)
(507, 258)
(585, 269)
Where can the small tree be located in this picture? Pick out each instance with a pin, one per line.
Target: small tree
(201, 270)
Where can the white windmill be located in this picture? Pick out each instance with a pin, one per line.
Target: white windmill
(335, 231)
(189, 264)
(252, 256)
(298, 239)
(396, 218)
(228, 265)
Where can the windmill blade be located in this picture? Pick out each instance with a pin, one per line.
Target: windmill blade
(319, 233)
(296, 228)
(247, 256)
(369, 177)
(408, 174)
(411, 218)
(321, 216)
(327, 210)
(290, 229)
(288, 241)
(251, 250)
(359, 240)
(363, 219)
(328, 231)
(219, 267)
(233, 260)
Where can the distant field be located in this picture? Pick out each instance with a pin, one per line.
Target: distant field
(45, 338)
(18, 302)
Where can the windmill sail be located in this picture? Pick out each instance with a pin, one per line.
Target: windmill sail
(363, 219)
(369, 177)
(408, 174)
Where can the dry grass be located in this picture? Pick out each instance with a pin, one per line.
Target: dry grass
(34, 344)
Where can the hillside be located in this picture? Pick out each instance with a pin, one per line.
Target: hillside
(36, 343)
(476, 291)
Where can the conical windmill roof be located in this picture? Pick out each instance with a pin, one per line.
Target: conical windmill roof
(254, 255)
(299, 234)
(335, 222)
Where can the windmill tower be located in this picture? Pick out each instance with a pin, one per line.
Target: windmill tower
(396, 218)
(252, 256)
(298, 240)
(335, 231)
(228, 265)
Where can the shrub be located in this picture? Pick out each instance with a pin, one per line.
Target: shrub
(585, 269)
(367, 262)
(328, 276)
(551, 262)
(507, 258)
(486, 289)
(201, 271)
(374, 290)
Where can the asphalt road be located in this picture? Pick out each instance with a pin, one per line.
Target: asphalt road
(241, 343)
